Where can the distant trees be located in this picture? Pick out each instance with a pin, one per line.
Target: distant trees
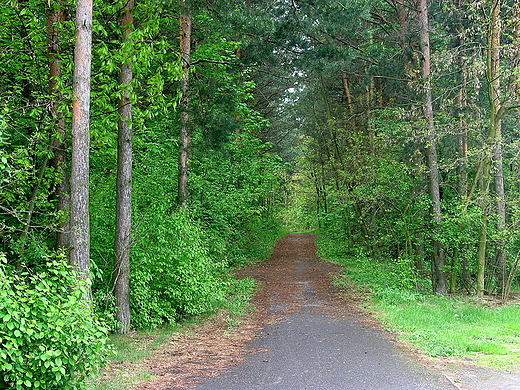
(396, 152)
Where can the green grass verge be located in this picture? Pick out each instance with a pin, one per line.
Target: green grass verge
(459, 327)
(125, 370)
(443, 326)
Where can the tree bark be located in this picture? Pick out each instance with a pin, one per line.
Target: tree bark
(438, 272)
(121, 270)
(516, 18)
(348, 96)
(55, 17)
(494, 160)
(493, 62)
(79, 255)
(512, 272)
(461, 103)
(462, 173)
(184, 136)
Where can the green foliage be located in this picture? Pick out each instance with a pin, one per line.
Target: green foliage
(258, 241)
(238, 297)
(386, 278)
(448, 327)
(173, 275)
(233, 185)
(438, 325)
(50, 339)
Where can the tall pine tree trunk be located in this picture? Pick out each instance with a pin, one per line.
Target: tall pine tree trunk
(79, 255)
(185, 22)
(512, 271)
(461, 103)
(124, 180)
(438, 272)
(54, 16)
(462, 176)
(516, 18)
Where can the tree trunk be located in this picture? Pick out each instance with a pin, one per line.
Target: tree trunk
(462, 168)
(348, 96)
(55, 17)
(438, 272)
(462, 171)
(512, 271)
(124, 181)
(495, 160)
(79, 255)
(184, 136)
(516, 72)
(495, 133)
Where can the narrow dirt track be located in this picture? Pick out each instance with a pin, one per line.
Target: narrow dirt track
(302, 335)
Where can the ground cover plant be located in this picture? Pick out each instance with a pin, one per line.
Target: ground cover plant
(484, 332)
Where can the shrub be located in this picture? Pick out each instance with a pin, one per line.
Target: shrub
(48, 336)
(173, 275)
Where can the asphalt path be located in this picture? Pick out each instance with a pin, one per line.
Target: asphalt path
(313, 343)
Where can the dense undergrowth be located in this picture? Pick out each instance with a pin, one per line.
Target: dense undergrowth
(49, 337)
(484, 332)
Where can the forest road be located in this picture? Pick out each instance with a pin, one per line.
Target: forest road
(304, 334)
(315, 340)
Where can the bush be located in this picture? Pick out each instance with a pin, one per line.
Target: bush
(173, 275)
(48, 335)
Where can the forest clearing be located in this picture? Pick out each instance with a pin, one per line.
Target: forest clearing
(151, 150)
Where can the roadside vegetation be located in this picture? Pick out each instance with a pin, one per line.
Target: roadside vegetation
(126, 367)
(484, 332)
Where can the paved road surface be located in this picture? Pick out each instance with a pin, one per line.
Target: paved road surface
(313, 341)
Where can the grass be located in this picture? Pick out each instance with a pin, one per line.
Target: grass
(442, 326)
(125, 369)
(463, 327)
